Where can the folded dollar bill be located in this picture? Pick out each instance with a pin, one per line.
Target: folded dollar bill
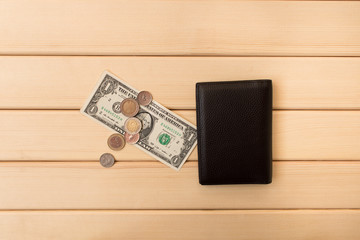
(164, 135)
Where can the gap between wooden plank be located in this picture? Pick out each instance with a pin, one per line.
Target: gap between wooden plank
(191, 163)
(177, 109)
(156, 161)
(184, 55)
(199, 211)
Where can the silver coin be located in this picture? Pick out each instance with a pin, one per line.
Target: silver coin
(107, 160)
(144, 98)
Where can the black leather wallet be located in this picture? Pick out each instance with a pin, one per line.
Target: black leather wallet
(234, 124)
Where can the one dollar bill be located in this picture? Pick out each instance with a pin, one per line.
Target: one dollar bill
(164, 135)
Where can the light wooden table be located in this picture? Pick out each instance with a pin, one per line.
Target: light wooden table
(53, 52)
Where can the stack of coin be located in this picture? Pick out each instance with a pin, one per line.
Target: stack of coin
(129, 107)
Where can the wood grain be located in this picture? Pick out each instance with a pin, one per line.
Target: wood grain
(152, 185)
(67, 135)
(176, 225)
(66, 82)
(141, 27)
(52, 54)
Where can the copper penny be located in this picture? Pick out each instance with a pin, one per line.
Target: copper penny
(129, 107)
(132, 125)
(132, 138)
(116, 142)
(107, 160)
(144, 98)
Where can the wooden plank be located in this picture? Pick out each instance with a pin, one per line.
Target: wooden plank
(65, 135)
(143, 27)
(65, 82)
(152, 185)
(176, 225)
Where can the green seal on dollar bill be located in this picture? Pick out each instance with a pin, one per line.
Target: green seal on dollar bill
(164, 139)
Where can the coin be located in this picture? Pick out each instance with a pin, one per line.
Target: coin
(144, 98)
(107, 160)
(116, 142)
(132, 125)
(129, 107)
(132, 138)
